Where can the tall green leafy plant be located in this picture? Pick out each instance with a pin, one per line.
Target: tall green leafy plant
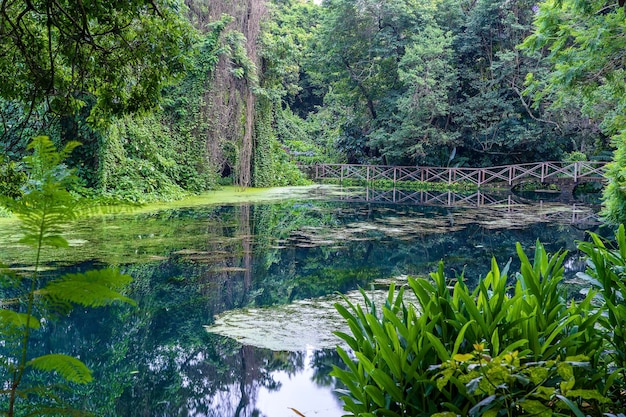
(30, 300)
(606, 268)
(399, 348)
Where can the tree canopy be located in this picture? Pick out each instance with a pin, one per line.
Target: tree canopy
(181, 97)
(62, 55)
(584, 44)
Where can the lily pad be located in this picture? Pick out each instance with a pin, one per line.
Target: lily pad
(301, 325)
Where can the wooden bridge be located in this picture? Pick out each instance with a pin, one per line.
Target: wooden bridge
(565, 174)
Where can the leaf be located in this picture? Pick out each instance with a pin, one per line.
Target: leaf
(443, 377)
(68, 367)
(438, 346)
(296, 411)
(477, 410)
(12, 318)
(588, 394)
(571, 405)
(535, 408)
(376, 394)
(495, 342)
(90, 289)
(387, 384)
(463, 357)
(545, 393)
(461, 337)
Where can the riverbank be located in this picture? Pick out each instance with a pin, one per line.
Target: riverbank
(224, 195)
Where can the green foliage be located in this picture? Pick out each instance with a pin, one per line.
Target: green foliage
(583, 42)
(12, 179)
(68, 367)
(143, 160)
(427, 72)
(120, 53)
(397, 348)
(510, 385)
(20, 124)
(405, 82)
(29, 301)
(575, 156)
(614, 209)
(272, 167)
(606, 270)
(282, 43)
(243, 67)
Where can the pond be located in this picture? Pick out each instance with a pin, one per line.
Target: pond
(235, 302)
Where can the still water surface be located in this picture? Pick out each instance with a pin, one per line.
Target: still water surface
(268, 275)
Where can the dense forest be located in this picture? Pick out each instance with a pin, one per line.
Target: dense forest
(169, 98)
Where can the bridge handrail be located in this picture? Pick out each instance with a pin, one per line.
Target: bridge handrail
(597, 163)
(477, 175)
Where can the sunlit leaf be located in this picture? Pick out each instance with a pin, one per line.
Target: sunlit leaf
(12, 318)
(93, 288)
(67, 367)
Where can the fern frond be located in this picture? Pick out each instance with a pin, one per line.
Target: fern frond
(12, 318)
(68, 367)
(8, 278)
(45, 164)
(59, 411)
(44, 215)
(40, 411)
(90, 289)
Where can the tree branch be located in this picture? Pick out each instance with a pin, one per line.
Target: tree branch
(529, 111)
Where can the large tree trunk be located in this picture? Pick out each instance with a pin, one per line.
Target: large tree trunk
(229, 103)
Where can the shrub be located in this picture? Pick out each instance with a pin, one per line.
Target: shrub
(400, 352)
(12, 179)
(606, 269)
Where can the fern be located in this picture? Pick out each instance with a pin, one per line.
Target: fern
(45, 209)
(95, 288)
(10, 318)
(68, 367)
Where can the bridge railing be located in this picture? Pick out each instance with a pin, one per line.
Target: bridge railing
(510, 174)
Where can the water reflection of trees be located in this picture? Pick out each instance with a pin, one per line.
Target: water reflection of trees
(158, 360)
(208, 382)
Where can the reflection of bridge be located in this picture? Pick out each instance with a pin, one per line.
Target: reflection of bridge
(566, 174)
(559, 213)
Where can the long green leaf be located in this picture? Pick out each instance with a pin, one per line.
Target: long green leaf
(68, 367)
(571, 405)
(443, 354)
(460, 337)
(475, 314)
(385, 382)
